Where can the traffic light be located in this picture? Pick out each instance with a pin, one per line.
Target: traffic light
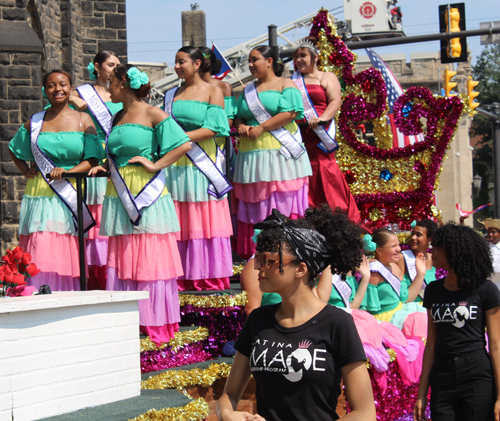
(452, 19)
(471, 84)
(448, 85)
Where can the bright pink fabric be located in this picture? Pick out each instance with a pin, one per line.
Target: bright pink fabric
(257, 192)
(203, 219)
(55, 281)
(215, 284)
(144, 257)
(415, 324)
(410, 371)
(160, 334)
(392, 334)
(53, 252)
(96, 211)
(367, 327)
(96, 251)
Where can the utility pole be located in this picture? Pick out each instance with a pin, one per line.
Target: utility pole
(495, 120)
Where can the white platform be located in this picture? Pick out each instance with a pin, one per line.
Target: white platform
(67, 351)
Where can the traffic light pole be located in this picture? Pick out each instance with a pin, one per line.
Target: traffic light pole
(495, 120)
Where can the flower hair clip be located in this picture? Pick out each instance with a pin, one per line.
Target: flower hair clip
(304, 43)
(91, 69)
(368, 244)
(206, 55)
(137, 78)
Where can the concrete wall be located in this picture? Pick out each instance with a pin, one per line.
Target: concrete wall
(67, 351)
(71, 33)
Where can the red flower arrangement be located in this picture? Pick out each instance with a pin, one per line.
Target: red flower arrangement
(15, 267)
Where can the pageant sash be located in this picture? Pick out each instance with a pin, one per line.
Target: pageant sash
(62, 188)
(343, 289)
(411, 269)
(393, 281)
(327, 137)
(146, 197)
(218, 184)
(291, 144)
(97, 107)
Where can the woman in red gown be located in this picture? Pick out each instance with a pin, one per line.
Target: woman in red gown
(327, 184)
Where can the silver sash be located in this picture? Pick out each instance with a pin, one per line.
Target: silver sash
(146, 197)
(218, 184)
(97, 107)
(62, 188)
(392, 280)
(291, 143)
(343, 289)
(327, 137)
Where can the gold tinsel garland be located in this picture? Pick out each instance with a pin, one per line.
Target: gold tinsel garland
(213, 301)
(237, 270)
(179, 379)
(178, 341)
(196, 410)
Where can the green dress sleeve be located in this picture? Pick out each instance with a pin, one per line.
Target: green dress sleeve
(92, 147)
(20, 145)
(230, 107)
(371, 301)
(291, 100)
(169, 135)
(239, 104)
(216, 120)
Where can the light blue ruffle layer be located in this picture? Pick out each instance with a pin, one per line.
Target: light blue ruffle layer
(159, 218)
(45, 214)
(269, 165)
(187, 184)
(96, 187)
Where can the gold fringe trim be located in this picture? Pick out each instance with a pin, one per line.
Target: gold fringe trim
(178, 341)
(213, 301)
(196, 410)
(178, 379)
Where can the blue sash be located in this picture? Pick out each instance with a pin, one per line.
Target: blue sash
(62, 188)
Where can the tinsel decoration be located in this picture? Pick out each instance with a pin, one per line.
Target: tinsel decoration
(381, 178)
(213, 301)
(167, 358)
(196, 410)
(178, 341)
(179, 379)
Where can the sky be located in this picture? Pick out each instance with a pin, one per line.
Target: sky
(154, 26)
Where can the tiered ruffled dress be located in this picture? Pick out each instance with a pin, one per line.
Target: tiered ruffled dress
(97, 245)
(263, 179)
(327, 184)
(46, 227)
(144, 257)
(204, 239)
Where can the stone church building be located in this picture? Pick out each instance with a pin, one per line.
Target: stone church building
(37, 36)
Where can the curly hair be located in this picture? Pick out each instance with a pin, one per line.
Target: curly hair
(467, 254)
(342, 236)
(429, 225)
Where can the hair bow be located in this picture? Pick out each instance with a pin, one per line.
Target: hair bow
(369, 244)
(137, 78)
(413, 224)
(44, 94)
(91, 69)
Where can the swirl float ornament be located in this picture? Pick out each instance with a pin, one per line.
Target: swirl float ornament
(390, 185)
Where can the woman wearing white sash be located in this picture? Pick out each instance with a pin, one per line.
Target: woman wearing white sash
(142, 255)
(46, 226)
(99, 70)
(386, 292)
(264, 177)
(323, 92)
(420, 241)
(204, 240)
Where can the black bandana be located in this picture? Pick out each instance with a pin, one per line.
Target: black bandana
(308, 244)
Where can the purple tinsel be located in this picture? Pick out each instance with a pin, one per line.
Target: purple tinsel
(166, 358)
(224, 324)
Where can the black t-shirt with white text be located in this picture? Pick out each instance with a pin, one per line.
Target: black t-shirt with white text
(297, 370)
(459, 316)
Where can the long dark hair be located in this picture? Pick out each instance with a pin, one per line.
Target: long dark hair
(196, 54)
(467, 253)
(270, 52)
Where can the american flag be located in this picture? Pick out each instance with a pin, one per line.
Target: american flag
(394, 90)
